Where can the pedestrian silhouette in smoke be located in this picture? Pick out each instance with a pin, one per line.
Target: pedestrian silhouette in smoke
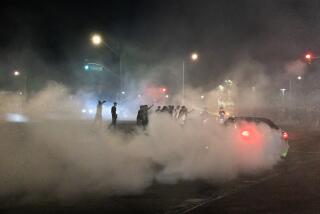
(139, 116)
(114, 115)
(222, 114)
(183, 114)
(171, 109)
(176, 112)
(164, 109)
(158, 109)
(143, 116)
(98, 117)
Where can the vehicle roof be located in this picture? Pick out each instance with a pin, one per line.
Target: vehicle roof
(253, 120)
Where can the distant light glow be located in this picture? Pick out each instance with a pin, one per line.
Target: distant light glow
(86, 67)
(245, 133)
(220, 87)
(90, 111)
(194, 56)
(163, 90)
(16, 73)
(84, 111)
(96, 39)
(123, 92)
(202, 97)
(285, 135)
(299, 78)
(16, 118)
(228, 82)
(308, 56)
(167, 95)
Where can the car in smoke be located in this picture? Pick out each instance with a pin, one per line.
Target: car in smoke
(249, 133)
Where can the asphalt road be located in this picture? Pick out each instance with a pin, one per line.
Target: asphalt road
(291, 187)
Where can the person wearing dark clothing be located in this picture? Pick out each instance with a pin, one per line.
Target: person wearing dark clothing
(114, 115)
(171, 109)
(222, 113)
(158, 109)
(145, 117)
(139, 116)
(164, 109)
(176, 112)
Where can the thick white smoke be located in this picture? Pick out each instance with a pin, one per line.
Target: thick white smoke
(67, 158)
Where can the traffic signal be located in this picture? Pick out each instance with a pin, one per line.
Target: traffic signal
(308, 57)
(93, 67)
(86, 67)
(163, 90)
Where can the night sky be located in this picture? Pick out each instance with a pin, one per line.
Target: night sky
(52, 39)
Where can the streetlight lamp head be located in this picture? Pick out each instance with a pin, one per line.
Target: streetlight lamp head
(194, 56)
(96, 39)
(16, 73)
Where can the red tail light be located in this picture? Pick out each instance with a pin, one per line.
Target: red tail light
(245, 133)
(285, 135)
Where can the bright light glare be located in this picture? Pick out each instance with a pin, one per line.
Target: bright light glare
(90, 111)
(84, 111)
(299, 78)
(202, 97)
(285, 135)
(308, 56)
(194, 56)
(16, 118)
(221, 88)
(245, 133)
(123, 92)
(167, 95)
(96, 39)
(16, 73)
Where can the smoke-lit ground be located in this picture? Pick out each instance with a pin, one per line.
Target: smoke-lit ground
(65, 159)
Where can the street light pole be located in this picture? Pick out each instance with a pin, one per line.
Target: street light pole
(183, 81)
(194, 57)
(120, 63)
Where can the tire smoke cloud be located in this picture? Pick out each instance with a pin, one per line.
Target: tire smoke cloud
(66, 159)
